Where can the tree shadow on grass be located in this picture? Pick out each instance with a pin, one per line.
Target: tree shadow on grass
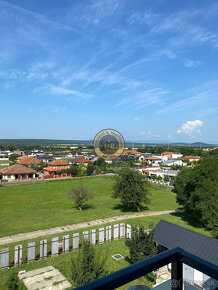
(85, 206)
(191, 218)
(128, 208)
(127, 259)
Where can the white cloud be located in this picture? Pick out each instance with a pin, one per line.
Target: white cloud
(191, 63)
(146, 98)
(57, 90)
(191, 128)
(201, 99)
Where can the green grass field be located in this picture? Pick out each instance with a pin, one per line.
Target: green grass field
(30, 207)
(63, 264)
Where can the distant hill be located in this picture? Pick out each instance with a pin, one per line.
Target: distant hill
(51, 142)
(45, 142)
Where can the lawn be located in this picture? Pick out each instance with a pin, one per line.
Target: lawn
(29, 207)
(63, 263)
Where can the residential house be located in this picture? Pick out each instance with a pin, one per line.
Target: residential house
(19, 152)
(153, 160)
(4, 153)
(125, 158)
(176, 155)
(58, 163)
(169, 235)
(45, 158)
(29, 161)
(143, 156)
(172, 162)
(78, 161)
(163, 173)
(135, 153)
(191, 158)
(168, 154)
(55, 166)
(17, 172)
(147, 169)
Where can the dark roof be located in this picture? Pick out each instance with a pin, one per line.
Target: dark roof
(171, 236)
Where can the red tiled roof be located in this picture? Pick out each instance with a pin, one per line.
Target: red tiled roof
(166, 153)
(16, 169)
(190, 157)
(28, 161)
(51, 169)
(81, 160)
(153, 158)
(22, 157)
(136, 152)
(58, 163)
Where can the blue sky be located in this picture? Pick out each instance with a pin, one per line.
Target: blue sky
(146, 68)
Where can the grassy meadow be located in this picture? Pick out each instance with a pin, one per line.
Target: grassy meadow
(29, 207)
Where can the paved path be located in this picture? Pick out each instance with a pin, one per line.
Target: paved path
(58, 230)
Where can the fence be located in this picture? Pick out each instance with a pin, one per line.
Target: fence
(14, 256)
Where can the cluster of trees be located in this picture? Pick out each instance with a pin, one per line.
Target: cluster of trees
(197, 190)
(184, 150)
(97, 166)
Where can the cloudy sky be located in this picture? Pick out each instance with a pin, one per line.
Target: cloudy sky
(146, 68)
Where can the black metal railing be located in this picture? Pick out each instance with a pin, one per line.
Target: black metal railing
(176, 256)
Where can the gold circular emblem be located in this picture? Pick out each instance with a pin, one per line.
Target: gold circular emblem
(108, 143)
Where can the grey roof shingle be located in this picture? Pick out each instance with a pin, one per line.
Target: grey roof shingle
(171, 235)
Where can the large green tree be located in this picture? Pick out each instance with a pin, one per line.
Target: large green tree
(141, 244)
(90, 169)
(197, 191)
(87, 265)
(132, 188)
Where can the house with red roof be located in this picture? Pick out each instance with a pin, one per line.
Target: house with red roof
(191, 158)
(79, 161)
(56, 163)
(27, 161)
(17, 172)
(55, 166)
(168, 154)
(153, 160)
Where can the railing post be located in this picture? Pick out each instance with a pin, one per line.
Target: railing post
(177, 276)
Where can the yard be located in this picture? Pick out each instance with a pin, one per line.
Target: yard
(63, 262)
(30, 207)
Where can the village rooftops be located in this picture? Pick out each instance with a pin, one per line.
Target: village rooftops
(152, 158)
(166, 153)
(16, 169)
(28, 161)
(51, 169)
(81, 160)
(58, 163)
(190, 157)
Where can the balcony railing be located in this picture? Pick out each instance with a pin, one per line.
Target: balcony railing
(176, 256)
